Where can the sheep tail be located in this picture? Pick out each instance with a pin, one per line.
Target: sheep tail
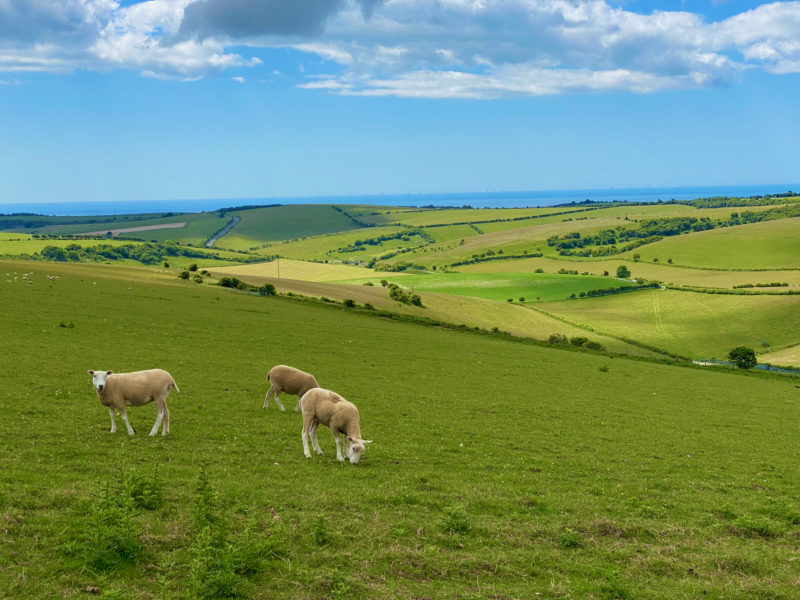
(175, 385)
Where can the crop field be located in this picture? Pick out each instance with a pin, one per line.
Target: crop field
(572, 475)
(504, 286)
(324, 247)
(689, 324)
(769, 244)
(276, 223)
(295, 269)
(660, 271)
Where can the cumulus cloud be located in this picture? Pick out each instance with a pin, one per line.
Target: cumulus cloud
(409, 48)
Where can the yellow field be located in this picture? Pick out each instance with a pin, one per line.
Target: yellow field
(788, 357)
(651, 271)
(297, 269)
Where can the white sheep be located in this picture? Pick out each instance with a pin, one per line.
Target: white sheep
(325, 407)
(289, 380)
(118, 390)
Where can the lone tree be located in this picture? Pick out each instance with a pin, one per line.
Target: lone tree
(743, 357)
(623, 272)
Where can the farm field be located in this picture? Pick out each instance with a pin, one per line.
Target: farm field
(296, 269)
(501, 287)
(277, 223)
(765, 245)
(461, 311)
(660, 271)
(689, 324)
(572, 475)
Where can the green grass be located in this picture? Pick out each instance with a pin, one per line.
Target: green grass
(570, 475)
(277, 223)
(765, 245)
(532, 287)
(689, 324)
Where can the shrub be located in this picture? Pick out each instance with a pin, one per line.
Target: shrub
(557, 339)
(594, 345)
(185, 275)
(578, 341)
(348, 303)
(193, 267)
(743, 357)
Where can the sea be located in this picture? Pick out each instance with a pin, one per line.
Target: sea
(504, 199)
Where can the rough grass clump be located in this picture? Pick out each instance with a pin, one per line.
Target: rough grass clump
(111, 535)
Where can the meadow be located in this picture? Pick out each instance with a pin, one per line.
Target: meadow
(499, 469)
(502, 287)
(547, 256)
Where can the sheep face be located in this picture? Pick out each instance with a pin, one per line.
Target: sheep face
(355, 446)
(99, 379)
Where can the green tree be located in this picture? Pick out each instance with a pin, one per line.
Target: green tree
(623, 272)
(743, 357)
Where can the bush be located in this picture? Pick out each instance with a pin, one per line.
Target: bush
(557, 339)
(184, 275)
(348, 303)
(578, 341)
(743, 357)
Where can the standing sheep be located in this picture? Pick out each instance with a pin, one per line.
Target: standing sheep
(118, 390)
(289, 380)
(325, 407)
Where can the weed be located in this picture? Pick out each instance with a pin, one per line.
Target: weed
(456, 521)
(319, 532)
(570, 539)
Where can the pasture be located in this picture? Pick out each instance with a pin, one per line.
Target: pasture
(765, 245)
(278, 223)
(499, 469)
(689, 324)
(518, 287)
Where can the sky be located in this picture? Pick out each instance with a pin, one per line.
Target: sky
(104, 100)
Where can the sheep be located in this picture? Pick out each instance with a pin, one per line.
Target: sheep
(289, 380)
(118, 390)
(325, 407)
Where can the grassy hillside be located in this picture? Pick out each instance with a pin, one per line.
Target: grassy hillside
(766, 245)
(689, 324)
(570, 475)
(501, 287)
(274, 223)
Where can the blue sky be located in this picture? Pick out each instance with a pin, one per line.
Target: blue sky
(171, 99)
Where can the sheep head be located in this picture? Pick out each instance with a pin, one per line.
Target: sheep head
(99, 379)
(355, 446)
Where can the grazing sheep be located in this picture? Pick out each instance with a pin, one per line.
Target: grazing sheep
(325, 407)
(289, 380)
(118, 390)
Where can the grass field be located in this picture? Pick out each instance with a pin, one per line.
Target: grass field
(295, 269)
(276, 223)
(570, 475)
(765, 245)
(690, 324)
(500, 287)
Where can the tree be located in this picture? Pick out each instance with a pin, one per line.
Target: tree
(743, 357)
(623, 272)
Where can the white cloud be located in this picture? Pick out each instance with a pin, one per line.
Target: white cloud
(239, 79)
(410, 48)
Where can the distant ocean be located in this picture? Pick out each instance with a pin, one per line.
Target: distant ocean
(473, 199)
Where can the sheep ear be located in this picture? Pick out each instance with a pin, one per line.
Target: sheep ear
(109, 372)
(366, 441)
(91, 372)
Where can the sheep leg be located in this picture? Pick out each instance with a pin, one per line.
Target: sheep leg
(124, 415)
(336, 438)
(113, 420)
(298, 407)
(314, 441)
(159, 417)
(269, 393)
(165, 429)
(306, 425)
